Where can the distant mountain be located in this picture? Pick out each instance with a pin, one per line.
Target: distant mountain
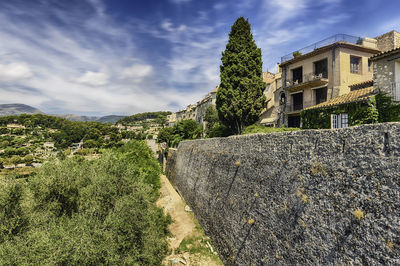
(17, 109)
(110, 118)
(104, 119)
(81, 118)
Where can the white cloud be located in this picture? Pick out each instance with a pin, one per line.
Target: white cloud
(137, 72)
(94, 78)
(14, 72)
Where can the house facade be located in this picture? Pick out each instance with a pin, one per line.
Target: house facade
(323, 71)
(271, 114)
(387, 72)
(194, 112)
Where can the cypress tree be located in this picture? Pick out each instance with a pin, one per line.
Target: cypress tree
(240, 96)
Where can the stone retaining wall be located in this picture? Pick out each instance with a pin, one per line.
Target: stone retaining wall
(328, 197)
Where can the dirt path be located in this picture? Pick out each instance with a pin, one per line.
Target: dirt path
(195, 248)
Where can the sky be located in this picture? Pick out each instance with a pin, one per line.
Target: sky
(102, 57)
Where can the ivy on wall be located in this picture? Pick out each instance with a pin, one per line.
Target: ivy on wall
(376, 109)
(362, 112)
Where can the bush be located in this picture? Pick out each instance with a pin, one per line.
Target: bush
(256, 128)
(80, 212)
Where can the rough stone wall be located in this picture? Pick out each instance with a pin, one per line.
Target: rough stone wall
(384, 73)
(327, 197)
(388, 41)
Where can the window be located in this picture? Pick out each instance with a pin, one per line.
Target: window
(339, 120)
(297, 75)
(321, 67)
(355, 64)
(320, 95)
(297, 101)
(369, 65)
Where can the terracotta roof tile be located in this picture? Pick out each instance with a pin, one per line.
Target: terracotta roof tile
(354, 96)
(383, 54)
(361, 85)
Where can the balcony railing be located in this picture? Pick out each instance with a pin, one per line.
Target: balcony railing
(306, 78)
(396, 91)
(325, 42)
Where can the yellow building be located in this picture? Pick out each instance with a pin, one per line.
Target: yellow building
(270, 115)
(323, 71)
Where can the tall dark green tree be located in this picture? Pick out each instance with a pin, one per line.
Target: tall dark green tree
(240, 96)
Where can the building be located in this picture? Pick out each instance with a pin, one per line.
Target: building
(323, 71)
(202, 105)
(194, 112)
(271, 115)
(387, 72)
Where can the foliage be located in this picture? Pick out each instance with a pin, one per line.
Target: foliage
(240, 96)
(159, 116)
(184, 129)
(362, 112)
(256, 128)
(79, 212)
(64, 132)
(214, 128)
(389, 111)
(297, 54)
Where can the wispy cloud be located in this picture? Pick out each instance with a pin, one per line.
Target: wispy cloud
(82, 66)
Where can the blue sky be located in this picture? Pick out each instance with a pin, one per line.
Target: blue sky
(99, 57)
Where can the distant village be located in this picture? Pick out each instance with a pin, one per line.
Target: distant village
(333, 72)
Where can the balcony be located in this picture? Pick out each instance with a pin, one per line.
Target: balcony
(396, 91)
(326, 42)
(310, 80)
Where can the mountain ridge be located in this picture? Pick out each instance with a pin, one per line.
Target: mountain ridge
(19, 108)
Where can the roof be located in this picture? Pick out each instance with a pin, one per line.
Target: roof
(215, 90)
(327, 48)
(354, 96)
(386, 53)
(362, 85)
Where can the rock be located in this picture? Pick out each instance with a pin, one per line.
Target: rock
(187, 208)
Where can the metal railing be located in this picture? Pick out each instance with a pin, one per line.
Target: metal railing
(396, 91)
(306, 78)
(325, 42)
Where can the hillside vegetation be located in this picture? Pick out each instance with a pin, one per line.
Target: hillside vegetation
(129, 120)
(79, 212)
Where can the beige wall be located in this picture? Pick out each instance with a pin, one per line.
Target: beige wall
(339, 76)
(346, 77)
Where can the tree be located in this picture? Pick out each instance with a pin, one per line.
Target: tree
(240, 96)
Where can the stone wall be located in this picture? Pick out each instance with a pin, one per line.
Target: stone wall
(385, 72)
(328, 197)
(388, 41)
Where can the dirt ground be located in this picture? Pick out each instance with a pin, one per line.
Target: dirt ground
(184, 227)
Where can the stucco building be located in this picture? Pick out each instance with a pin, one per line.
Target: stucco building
(323, 71)
(271, 114)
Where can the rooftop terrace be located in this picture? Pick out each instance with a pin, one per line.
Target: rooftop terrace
(328, 41)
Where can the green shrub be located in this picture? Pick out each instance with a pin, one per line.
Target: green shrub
(256, 128)
(80, 212)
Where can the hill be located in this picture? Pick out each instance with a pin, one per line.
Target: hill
(110, 118)
(17, 109)
(143, 116)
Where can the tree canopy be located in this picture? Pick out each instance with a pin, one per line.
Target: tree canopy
(240, 96)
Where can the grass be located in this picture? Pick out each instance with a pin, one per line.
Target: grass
(197, 244)
(262, 129)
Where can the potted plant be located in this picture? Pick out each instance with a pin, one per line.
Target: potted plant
(297, 54)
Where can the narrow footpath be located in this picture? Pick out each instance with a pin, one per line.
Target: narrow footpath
(188, 244)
